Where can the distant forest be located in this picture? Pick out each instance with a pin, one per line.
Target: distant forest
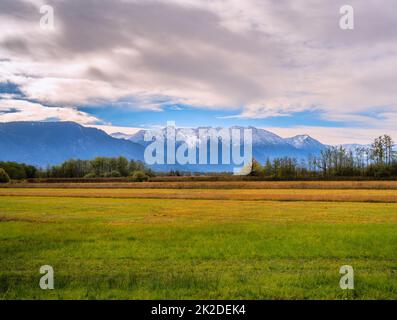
(100, 167)
(377, 161)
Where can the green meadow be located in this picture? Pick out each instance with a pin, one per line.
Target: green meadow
(109, 248)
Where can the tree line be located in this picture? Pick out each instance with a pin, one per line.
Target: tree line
(100, 167)
(379, 160)
(16, 171)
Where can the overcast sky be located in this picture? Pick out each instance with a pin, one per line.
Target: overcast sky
(282, 65)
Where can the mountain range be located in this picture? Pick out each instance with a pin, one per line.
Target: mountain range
(44, 143)
(265, 143)
(49, 143)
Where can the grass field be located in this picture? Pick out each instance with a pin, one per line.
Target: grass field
(338, 195)
(231, 246)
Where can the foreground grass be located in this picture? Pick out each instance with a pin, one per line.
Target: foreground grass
(359, 195)
(196, 249)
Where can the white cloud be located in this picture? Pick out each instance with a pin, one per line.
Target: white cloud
(260, 58)
(21, 110)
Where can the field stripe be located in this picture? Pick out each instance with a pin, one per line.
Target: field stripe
(334, 195)
(364, 185)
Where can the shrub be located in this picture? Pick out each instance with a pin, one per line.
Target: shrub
(90, 175)
(4, 178)
(112, 174)
(139, 176)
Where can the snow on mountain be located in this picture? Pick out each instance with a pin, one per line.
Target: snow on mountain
(260, 137)
(264, 137)
(265, 144)
(305, 142)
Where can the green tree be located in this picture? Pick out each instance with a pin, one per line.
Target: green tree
(139, 176)
(4, 178)
(14, 170)
(122, 166)
(136, 166)
(112, 174)
(256, 169)
(388, 146)
(268, 169)
(378, 150)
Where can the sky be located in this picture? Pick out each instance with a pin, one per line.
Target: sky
(282, 65)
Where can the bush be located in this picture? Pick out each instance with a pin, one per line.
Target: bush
(139, 176)
(4, 178)
(90, 175)
(112, 174)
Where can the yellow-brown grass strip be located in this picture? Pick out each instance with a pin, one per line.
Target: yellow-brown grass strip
(381, 185)
(339, 195)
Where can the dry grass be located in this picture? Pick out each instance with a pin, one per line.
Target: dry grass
(341, 195)
(392, 185)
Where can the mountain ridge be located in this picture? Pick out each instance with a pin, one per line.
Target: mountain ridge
(260, 136)
(265, 144)
(50, 143)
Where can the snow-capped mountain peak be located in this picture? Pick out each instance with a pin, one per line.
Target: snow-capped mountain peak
(264, 137)
(261, 139)
(304, 141)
